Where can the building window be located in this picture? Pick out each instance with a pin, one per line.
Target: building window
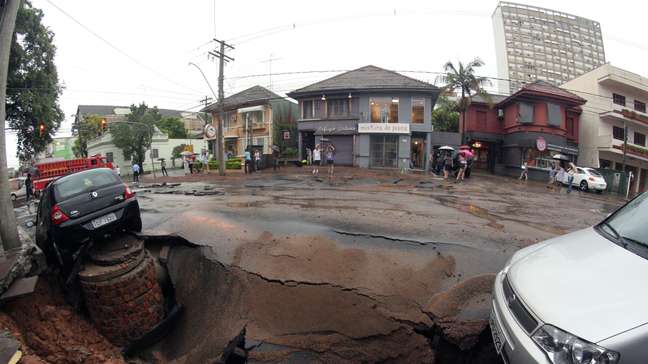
(109, 157)
(383, 109)
(418, 110)
(554, 114)
(640, 106)
(640, 139)
(307, 109)
(526, 112)
(481, 118)
(252, 118)
(617, 133)
(604, 163)
(260, 141)
(338, 107)
(154, 153)
(618, 99)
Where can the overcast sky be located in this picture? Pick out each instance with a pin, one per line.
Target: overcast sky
(157, 39)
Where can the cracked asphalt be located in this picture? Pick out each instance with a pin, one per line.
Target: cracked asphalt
(365, 268)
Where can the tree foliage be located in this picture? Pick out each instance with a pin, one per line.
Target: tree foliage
(88, 129)
(135, 136)
(445, 116)
(174, 127)
(463, 79)
(32, 85)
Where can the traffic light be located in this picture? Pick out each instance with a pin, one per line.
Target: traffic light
(41, 129)
(104, 125)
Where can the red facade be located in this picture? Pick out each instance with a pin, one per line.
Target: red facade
(503, 117)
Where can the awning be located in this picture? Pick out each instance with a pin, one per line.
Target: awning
(335, 130)
(251, 108)
(566, 150)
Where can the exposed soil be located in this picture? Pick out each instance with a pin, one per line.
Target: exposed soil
(51, 331)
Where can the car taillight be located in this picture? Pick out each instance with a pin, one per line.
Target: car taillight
(128, 193)
(591, 179)
(58, 216)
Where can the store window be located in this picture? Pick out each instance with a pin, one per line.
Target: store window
(383, 151)
(617, 133)
(418, 110)
(526, 112)
(554, 114)
(383, 109)
(337, 107)
(307, 109)
(538, 159)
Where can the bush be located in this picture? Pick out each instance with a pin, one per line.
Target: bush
(213, 164)
(290, 152)
(197, 165)
(233, 163)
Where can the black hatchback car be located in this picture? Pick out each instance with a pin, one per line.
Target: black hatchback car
(83, 206)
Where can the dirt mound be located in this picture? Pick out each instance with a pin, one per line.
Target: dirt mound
(51, 331)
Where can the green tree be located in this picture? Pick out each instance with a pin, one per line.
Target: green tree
(445, 116)
(32, 87)
(135, 136)
(172, 126)
(463, 79)
(88, 129)
(177, 150)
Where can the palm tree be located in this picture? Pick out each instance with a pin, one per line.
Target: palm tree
(463, 78)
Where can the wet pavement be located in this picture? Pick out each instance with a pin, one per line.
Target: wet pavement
(363, 268)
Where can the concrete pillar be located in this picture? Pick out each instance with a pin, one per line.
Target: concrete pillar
(299, 146)
(428, 150)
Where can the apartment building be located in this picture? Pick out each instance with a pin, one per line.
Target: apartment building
(616, 102)
(533, 43)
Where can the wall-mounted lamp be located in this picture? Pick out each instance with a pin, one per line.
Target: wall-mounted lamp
(395, 100)
(350, 95)
(323, 97)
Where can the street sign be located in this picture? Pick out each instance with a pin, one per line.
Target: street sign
(210, 131)
(286, 135)
(541, 144)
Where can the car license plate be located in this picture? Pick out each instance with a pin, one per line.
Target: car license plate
(496, 331)
(106, 219)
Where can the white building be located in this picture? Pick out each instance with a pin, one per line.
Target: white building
(161, 147)
(533, 43)
(615, 99)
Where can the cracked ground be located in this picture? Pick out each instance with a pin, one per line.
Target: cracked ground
(362, 269)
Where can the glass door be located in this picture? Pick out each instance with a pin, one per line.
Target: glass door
(383, 151)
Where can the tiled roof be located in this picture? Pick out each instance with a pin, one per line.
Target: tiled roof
(251, 96)
(494, 99)
(546, 87)
(366, 78)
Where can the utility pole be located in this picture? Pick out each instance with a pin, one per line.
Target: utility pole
(222, 58)
(8, 227)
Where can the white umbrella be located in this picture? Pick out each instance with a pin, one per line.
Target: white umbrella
(446, 147)
(186, 153)
(560, 157)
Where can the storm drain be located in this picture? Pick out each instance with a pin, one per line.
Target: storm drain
(120, 289)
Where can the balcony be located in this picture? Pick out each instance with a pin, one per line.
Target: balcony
(625, 115)
(606, 143)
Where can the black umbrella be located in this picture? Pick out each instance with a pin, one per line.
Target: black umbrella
(561, 157)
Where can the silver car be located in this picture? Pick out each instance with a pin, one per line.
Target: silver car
(581, 298)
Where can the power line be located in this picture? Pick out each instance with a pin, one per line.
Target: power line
(114, 47)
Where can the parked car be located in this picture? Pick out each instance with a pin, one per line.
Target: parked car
(587, 179)
(17, 188)
(578, 298)
(82, 206)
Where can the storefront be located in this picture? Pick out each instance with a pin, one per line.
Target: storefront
(417, 150)
(383, 145)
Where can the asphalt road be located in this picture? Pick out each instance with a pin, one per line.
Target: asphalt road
(363, 269)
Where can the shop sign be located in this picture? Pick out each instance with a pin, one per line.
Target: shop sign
(541, 144)
(384, 128)
(330, 130)
(210, 131)
(286, 135)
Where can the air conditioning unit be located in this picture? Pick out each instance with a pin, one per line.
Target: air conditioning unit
(500, 114)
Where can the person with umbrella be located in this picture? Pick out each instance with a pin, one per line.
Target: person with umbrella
(568, 167)
(447, 160)
(468, 155)
(463, 164)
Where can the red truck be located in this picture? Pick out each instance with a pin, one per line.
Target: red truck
(49, 171)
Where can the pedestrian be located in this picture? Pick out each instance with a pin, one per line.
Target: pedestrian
(205, 163)
(29, 191)
(463, 164)
(552, 175)
(309, 156)
(571, 171)
(560, 174)
(447, 165)
(257, 159)
(117, 169)
(275, 158)
(190, 159)
(136, 172)
(525, 171)
(163, 166)
(317, 159)
(248, 161)
(330, 159)
(185, 165)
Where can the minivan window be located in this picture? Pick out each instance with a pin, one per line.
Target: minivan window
(83, 182)
(630, 222)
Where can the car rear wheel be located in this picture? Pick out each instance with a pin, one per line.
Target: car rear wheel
(584, 186)
(13, 197)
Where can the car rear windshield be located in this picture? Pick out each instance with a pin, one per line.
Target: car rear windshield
(83, 182)
(594, 173)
